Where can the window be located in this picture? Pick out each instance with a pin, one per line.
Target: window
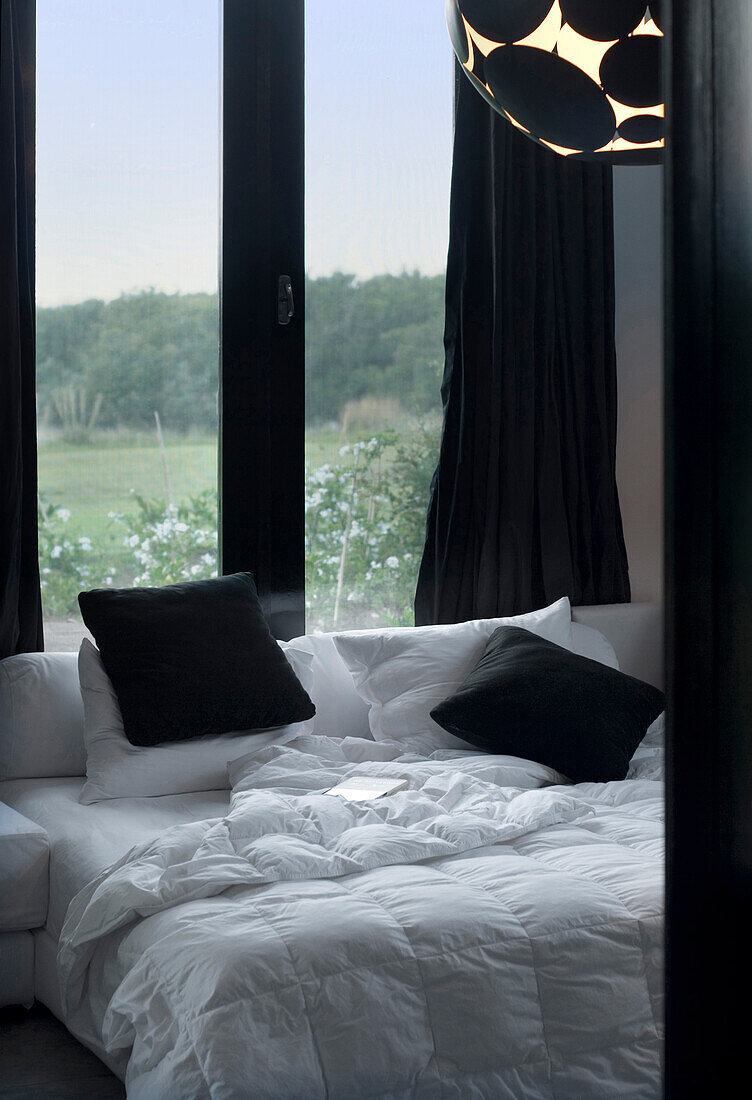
(378, 158)
(128, 225)
(127, 275)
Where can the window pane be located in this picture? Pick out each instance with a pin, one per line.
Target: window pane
(127, 231)
(378, 157)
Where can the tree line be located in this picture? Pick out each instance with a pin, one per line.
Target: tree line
(118, 361)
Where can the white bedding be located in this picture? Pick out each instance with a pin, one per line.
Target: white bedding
(466, 938)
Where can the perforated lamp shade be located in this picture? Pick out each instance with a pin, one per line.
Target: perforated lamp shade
(580, 76)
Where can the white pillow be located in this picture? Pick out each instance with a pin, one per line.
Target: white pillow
(403, 673)
(589, 642)
(117, 769)
(41, 717)
(340, 711)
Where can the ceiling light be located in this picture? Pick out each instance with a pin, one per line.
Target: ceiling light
(580, 76)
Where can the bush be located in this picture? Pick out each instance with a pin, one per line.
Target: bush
(68, 562)
(365, 528)
(172, 542)
(364, 533)
(379, 337)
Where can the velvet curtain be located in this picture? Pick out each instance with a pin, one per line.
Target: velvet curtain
(20, 602)
(524, 506)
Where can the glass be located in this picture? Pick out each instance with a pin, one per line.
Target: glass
(379, 83)
(127, 276)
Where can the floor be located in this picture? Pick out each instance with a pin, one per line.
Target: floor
(40, 1060)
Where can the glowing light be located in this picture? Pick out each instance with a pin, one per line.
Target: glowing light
(576, 86)
(547, 34)
(582, 52)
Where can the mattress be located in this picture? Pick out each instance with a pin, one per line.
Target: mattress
(84, 840)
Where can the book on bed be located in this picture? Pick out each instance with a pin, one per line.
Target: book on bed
(367, 786)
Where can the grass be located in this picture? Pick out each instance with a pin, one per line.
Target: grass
(95, 478)
(92, 480)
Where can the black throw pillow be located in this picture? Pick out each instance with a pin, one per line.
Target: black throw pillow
(529, 697)
(193, 659)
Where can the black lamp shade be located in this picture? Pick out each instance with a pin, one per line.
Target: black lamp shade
(580, 76)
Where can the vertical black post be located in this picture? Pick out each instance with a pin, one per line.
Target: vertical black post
(262, 361)
(709, 544)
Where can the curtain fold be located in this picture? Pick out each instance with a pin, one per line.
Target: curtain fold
(20, 600)
(524, 506)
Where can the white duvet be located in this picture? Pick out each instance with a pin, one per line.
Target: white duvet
(478, 935)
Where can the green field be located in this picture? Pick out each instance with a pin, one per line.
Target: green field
(93, 479)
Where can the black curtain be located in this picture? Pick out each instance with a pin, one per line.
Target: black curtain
(524, 506)
(20, 602)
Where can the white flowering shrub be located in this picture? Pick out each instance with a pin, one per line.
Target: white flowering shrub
(171, 542)
(68, 562)
(365, 528)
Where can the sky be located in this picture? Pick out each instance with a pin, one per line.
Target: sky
(128, 142)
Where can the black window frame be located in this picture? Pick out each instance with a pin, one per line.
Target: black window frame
(262, 362)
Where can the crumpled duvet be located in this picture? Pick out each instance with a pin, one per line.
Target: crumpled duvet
(467, 937)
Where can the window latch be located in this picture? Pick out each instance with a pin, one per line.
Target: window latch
(285, 301)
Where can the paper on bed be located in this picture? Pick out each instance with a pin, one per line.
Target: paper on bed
(365, 787)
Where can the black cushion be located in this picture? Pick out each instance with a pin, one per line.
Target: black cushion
(193, 659)
(529, 697)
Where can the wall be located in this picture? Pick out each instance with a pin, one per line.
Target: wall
(638, 239)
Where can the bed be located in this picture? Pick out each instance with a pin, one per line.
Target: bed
(512, 954)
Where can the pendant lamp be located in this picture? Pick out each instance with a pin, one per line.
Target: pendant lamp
(582, 77)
